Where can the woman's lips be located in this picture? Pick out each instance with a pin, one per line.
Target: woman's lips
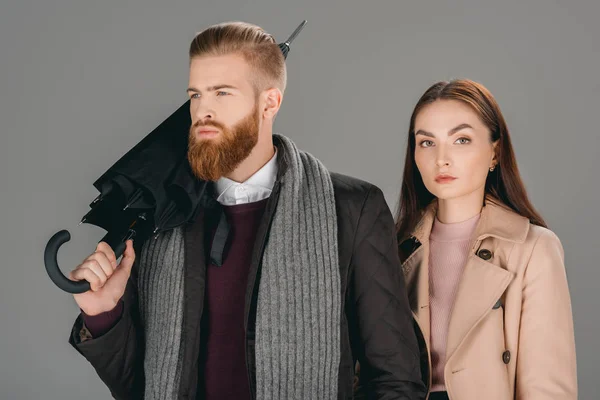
(445, 178)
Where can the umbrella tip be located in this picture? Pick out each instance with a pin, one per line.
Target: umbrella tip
(285, 46)
(296, 32)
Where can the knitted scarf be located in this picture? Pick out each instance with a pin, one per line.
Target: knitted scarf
(299, 303)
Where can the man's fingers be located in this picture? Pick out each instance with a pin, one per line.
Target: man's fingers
(108, 252)
(84, 273)
(128, 255)
(102, 260)
(123, 271)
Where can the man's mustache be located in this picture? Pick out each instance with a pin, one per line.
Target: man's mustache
(200, 123)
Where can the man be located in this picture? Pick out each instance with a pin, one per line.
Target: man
(286, 277)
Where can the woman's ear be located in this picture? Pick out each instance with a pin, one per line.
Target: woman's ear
(495, 154)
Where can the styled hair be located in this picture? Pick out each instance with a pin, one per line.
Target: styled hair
(258, 48)
(503, 184)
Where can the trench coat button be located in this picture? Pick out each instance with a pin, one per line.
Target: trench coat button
(506, 357)
(497, 305)
(484, 254)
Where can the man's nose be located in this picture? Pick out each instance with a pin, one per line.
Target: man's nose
(204, 112)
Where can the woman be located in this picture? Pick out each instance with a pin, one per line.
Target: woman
(485, 276)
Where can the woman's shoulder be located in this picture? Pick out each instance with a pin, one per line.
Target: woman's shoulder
(537, 232)
(542, 239)
(531, 242)
(520, 227)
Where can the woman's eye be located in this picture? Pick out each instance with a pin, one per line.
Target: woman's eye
(220, 93)
(463, 141)
(426, 143)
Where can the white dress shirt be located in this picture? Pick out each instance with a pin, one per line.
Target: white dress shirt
(257, 187)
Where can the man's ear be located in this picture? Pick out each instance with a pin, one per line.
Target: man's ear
(272, 102)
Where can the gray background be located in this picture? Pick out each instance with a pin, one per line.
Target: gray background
(83, 81)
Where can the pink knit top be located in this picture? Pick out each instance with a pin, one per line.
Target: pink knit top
(449, 249)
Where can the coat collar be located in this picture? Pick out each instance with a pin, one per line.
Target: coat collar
(497, 220)
(482, 282)
(283, 159)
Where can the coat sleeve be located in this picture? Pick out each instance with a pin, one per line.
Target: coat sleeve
(116, 355)
(546, 366)
(380, 320)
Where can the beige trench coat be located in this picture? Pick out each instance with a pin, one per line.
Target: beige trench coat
(510, 334)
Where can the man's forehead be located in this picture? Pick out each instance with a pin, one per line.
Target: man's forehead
(207, 72)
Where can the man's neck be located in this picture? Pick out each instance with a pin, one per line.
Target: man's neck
(260, 155)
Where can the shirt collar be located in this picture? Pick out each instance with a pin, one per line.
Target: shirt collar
(261, 181)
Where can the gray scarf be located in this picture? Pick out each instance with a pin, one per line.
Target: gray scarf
(299, 303)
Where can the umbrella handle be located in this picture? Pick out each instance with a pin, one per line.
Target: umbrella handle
(53, 270)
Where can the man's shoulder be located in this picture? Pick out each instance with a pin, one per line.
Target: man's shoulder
(360, 206)
(353, 191)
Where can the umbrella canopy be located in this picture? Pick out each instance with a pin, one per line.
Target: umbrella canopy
(149, 190)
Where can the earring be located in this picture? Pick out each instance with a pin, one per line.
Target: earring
(492, 168)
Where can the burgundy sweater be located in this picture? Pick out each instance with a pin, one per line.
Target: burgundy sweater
(223, 373)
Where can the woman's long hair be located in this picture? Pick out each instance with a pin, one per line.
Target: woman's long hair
(503, 184)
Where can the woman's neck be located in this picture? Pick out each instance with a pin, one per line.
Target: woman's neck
(459, 209)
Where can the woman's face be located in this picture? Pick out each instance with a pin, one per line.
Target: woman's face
(453, 150)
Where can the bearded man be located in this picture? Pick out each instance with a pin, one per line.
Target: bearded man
(287, 276)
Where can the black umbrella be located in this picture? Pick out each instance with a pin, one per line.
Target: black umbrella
(149, 190)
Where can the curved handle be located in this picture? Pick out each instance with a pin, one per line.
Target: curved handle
(50, 253)
(53, 270)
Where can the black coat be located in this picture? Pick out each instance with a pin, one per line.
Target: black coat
(376, 323)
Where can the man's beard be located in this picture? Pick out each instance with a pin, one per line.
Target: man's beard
(210, 159)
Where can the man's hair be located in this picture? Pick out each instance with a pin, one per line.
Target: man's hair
(254, 44)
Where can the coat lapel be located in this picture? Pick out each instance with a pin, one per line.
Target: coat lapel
(482, 282)
(194, 286)
(193, 302)
(417, 281)
(416, 273)
(481, 285)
